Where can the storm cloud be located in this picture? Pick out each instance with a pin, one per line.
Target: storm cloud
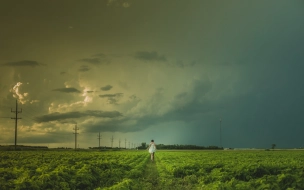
(149, 56)
(101, 55)
(119, 3)
(94, 61)
(112, 98)
(171, 82)
(106, 88)
(84, 68)
(97, 59)
(73, 115)
(24, 63)
(111, 95)
(66, 90)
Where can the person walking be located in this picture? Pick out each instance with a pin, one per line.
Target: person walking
(152, 149)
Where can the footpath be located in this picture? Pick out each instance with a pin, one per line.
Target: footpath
(151, 177)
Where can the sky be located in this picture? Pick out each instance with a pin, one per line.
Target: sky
(137, 70)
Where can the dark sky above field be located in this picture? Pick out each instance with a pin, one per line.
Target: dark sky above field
(153, 69)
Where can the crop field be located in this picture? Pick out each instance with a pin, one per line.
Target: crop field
(134, 170)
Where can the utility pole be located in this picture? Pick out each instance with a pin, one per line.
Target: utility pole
(99, 137)
(112, 141)
(119, 143)
(221, 133)
(16, 121)
(125, 143)
(129, 144)
(76, 128)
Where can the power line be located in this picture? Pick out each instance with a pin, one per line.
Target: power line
(16, 121)
(30, 113)
(76, 128)
(26, 121)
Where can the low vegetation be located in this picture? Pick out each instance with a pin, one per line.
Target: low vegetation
(134, 170)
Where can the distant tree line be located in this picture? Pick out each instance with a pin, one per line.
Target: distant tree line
(180, 147)
(22, 147)
(105, 147)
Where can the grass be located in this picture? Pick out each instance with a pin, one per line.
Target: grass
(151, 177)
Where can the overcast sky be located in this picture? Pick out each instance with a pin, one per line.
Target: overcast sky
(166, 70)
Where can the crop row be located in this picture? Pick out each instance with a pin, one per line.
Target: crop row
(133, 170)
(69, 170)
(232, 169)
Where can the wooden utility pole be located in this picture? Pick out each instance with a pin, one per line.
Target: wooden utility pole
(112, 141)
(99, 137)
(221, 133)
(16, 121)
(76, 128)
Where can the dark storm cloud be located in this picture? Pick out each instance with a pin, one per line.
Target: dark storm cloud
(67, 90)
(47, 138)
(83, 68)
(113, 125)
(181, 95)
(149, 56)
(67, 121)
(112, 98)
(260, 97)
(110, 95)
(119, 3)
(146, 121)
(73, 115)
(192, 111)
(90, 91)
(186, 106)
(133, 97)
(182, 64)
(95, 61)
(24, 63)
(102, 55)
(106, 88)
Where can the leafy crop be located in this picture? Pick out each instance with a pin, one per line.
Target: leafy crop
(232, 169)
(69, 170)
(223, 170)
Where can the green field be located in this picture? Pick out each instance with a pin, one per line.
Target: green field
(134, 170)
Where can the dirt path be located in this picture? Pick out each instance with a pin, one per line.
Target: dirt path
(150, 178)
